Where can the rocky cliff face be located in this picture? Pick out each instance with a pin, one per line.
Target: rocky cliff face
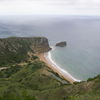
(16, 49)
(40, 45)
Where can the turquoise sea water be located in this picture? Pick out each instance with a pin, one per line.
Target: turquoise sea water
(81, 57)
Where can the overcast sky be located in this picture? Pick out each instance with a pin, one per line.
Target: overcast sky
(52, 7)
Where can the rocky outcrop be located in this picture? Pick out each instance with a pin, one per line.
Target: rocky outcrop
(61, 44)
(15, 49)
(40, 45)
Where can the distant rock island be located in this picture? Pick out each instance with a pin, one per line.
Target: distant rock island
(61, 44)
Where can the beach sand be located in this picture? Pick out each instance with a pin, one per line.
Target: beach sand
(56, 69)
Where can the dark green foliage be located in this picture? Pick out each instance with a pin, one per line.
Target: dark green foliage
(13, 50)
(35, 57)
(90, 79)
(10, 71)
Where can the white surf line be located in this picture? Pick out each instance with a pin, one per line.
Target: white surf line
(54, 64)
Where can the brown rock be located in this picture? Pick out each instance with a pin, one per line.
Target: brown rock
(61, 44)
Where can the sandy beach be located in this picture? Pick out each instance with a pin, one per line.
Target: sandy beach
(57, 69)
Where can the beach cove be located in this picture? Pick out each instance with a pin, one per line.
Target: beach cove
(46, 57)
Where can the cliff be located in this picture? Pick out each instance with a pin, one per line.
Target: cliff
(16, 49)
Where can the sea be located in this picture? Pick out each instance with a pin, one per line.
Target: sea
(81, 56)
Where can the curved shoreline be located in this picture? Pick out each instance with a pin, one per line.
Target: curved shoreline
(49, 58)
(46, 57)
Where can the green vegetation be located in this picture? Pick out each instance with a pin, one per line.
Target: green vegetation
(11, 53)
(25, 82)
(34, 82)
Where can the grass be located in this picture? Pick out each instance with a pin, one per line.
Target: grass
(29, 83)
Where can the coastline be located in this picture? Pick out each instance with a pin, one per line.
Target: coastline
(46, 57)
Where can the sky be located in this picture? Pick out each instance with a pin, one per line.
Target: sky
(50, 7)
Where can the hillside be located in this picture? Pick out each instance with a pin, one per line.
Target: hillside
(33, 80)
(18, 49)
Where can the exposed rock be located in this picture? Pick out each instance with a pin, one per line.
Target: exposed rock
(61, 44)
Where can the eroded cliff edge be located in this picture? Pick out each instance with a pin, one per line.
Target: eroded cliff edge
(16, 49)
